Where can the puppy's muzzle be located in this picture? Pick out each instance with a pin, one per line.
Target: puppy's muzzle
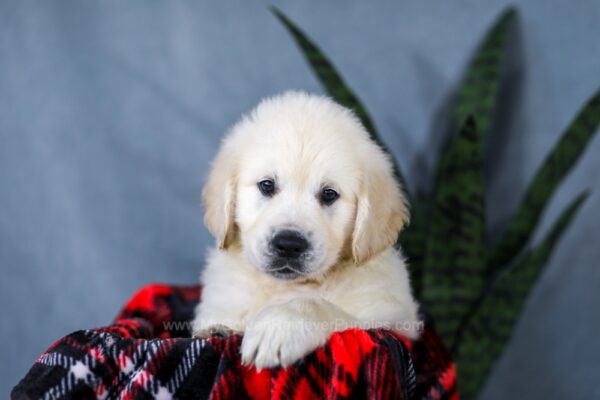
(289, 249)
(290, 245)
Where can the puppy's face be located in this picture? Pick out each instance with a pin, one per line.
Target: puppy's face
(295, 205)
(301, 187)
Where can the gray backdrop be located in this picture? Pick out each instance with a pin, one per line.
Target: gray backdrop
(111, 110)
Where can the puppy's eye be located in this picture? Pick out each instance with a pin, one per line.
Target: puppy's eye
(267, 187)
(328, 196)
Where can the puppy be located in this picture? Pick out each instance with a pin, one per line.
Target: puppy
(305, 210)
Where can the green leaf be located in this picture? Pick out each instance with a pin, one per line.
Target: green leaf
(478, 94)
(413, 241)
(491, 325)
(334, 83)
(456, 243)
(557, 165)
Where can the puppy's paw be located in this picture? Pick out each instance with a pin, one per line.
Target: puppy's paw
(280, 335)
(214, 330)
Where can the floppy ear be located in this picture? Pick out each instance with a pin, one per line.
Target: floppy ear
(381, 212)
(218, 197)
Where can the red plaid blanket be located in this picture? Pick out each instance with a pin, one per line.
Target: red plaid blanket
(148, 353)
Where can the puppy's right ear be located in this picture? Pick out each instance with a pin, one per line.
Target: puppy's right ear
(218, 197)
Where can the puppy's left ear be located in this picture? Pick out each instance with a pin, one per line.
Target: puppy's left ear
(381, 211)
(218, 197)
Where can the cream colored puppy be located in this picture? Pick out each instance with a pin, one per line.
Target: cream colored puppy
(305, 209)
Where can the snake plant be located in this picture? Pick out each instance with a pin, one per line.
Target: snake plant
(473, 290)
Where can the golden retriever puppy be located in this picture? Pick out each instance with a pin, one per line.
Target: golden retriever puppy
(305, 209)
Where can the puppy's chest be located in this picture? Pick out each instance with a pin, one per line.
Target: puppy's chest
(266, 295)
(297, 292)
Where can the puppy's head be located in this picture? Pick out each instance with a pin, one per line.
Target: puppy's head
(299, 185)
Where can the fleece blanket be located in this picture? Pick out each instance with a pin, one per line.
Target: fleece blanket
(148, 353)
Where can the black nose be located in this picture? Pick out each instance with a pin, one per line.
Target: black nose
(289, 244)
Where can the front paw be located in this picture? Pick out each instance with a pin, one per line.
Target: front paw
(214, 330)
(282, 334)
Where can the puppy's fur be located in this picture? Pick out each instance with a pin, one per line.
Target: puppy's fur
(347, 274)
